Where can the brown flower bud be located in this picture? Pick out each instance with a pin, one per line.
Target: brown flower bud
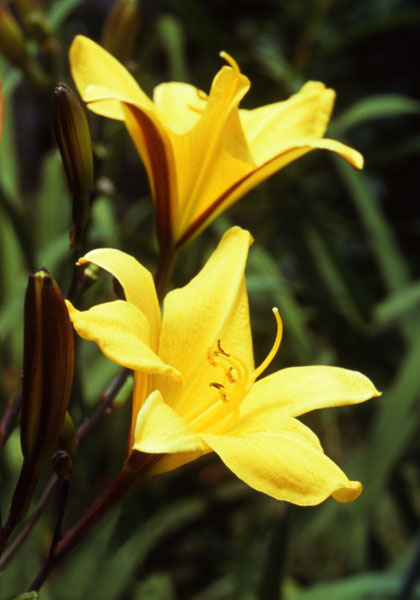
(62, 464)
(75, 145)
(47, 366)
(121, 28)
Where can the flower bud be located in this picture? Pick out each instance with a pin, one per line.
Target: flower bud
(68, 439)
(121, 28)
(12, 41)
(75, 145)
(48, 358)
(62, 464)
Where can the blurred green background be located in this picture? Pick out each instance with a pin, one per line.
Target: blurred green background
(336, 250)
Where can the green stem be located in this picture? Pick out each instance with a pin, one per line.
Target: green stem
(137, 465)
(167, 259)
(82, 432)
(28, 478)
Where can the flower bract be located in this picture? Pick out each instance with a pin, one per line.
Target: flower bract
(197, 389)
(201, 152)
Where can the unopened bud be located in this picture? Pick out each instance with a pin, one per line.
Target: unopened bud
(48, 359)
(68, 436)
(62, 464)
(12, 40)
(75, 145)
(121, 28)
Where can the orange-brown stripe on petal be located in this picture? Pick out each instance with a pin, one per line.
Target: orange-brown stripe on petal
(289, 155)
(160, 167)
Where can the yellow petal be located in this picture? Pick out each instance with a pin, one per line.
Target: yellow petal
(288, 466)
(111, 91)
(287, 153)
(304, 115)
(137, 283)
(91, 65)
(214, 305)
(218, 130)
(180, 105)
(160, 430)
(298, 390)
(122, 333)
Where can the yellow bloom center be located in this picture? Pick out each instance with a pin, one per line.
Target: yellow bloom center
(211, 401)
(235, 380)
(233, 383)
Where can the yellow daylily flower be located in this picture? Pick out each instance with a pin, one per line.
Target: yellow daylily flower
(196, 386)
(201, 152)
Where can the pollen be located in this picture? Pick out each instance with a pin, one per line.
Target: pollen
(220, 387)
(233, 376)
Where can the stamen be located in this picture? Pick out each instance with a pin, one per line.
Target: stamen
(220, 387)
(273, 350)
(195, 109)
(210, 357)
(230, 376)
(202, 95)
(231, 61)
(219, 347)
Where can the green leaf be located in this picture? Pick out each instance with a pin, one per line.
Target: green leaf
(60, 10)
(371, 108)
(53, 202)
(122, 562)
(9, 176)
(369, 586)
(156, 587)
(397, 305)
(172, 35)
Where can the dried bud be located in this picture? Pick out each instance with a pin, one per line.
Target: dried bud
(62, 464)
(121, 28)
(12, 40)
(47, 367)
(75, 145)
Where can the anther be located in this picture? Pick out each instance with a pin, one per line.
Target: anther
(230, 376)
(219, 347)
(220, 387)
(210, 357)
(195, 109)
(202, 95)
